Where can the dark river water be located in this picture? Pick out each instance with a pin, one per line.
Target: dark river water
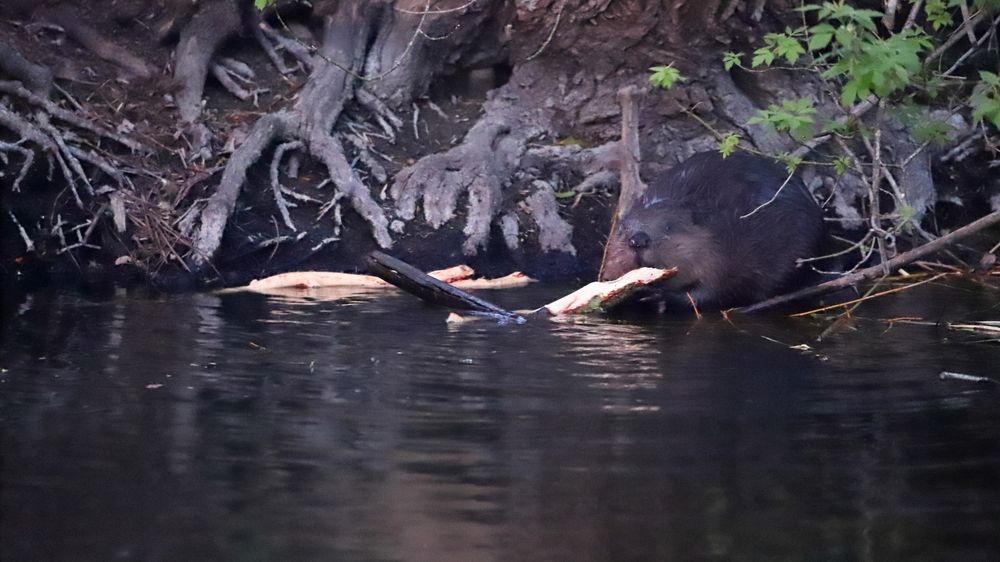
(247, 427)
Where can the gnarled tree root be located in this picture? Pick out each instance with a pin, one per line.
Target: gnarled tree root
(481, 166)
(92, 40)
(309, 121)
(209, 28)
(36, 78)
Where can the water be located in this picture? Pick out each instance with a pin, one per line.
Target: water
(245, 427)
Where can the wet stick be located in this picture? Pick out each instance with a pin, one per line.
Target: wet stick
(877, 270)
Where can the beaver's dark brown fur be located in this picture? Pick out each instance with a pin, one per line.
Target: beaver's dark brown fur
(699, 217)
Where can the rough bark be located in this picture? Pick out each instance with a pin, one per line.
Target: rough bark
(480, 167)
(36, 78)
(79, 30)
(310, 121)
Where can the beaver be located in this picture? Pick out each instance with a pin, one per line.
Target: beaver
(700, 217)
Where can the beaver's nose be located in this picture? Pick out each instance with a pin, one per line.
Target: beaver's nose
(639, 240)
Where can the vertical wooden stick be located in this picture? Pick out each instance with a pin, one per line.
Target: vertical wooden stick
(631, 186)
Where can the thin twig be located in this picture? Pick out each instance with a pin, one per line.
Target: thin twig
(870, 296)
(29, 246)
(872, 272)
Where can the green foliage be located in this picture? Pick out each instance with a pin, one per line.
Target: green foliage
(875, 65)
(986, 99)
(846, 45)
(728, 144)
(730, 59)
(858, 58)
(793, 116)
(841, 164)
(665, 76)
(836, 128)
(762, 56)
(907, 215)
(820, 36)
(261, 4)
(937, 13)
(792, 163)
(778, 45)
(922, 127)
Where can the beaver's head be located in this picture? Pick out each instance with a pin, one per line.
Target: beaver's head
(662, 236)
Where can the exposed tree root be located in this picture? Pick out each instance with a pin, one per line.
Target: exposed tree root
(271, 41)
(234, 75)
(209, 28)
(411, 31)
(27, 159)
(481, 167)
(308, 124)
(554, 233)
(36, 78)
(72, 143)
(75, 119)
(88, 37)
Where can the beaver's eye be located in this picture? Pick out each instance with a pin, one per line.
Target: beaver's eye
(639, 240)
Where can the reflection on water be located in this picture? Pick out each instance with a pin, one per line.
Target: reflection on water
(362, 427)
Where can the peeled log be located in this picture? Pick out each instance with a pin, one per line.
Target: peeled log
(604, 295)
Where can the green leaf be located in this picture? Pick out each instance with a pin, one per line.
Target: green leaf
(731, 59)
(985, 103)
(937, 14)
(665, 76)
(849, 93)
(728, 144)
(989, 78)
(846, 37)
(762, 57)
(906, 214)
(788, 47)
(792, 116)
(841, 164)
(791, 162)
(820, 36)
(261, 4)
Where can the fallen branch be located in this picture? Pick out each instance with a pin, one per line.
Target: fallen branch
(315, 279)
(605, 295)
(947, 375)
(878, 270)
(427, 288)
(860, 300)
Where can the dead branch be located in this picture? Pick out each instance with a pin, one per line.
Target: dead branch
(632, 187)
(878, 270)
